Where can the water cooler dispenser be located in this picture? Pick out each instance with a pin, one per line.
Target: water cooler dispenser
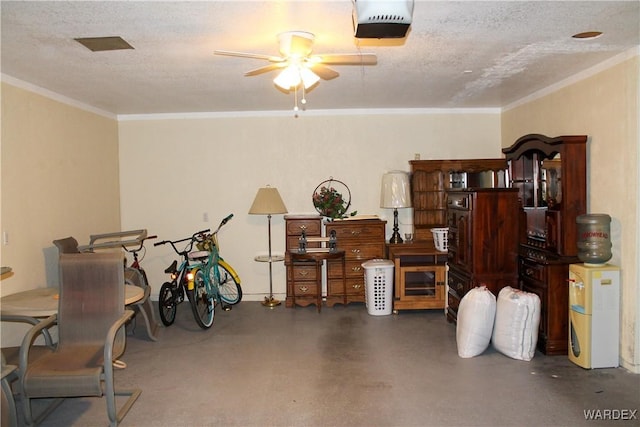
(594, 306)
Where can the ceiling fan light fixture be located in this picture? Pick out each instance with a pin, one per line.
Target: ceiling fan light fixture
(295, 75)
(288, 78)
(309, 78)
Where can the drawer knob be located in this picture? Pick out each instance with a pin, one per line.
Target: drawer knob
(304, 273)
(304, 289)
(355, 251)
(357, 286)
(355, 233)
(528, 272)
(356, 268)
(303, 227)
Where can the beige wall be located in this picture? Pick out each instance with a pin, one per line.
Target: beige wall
(59, 178)
(61, 168)
(175, 170)
(604, 107)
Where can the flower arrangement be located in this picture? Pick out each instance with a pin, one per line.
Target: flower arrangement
(330, 203)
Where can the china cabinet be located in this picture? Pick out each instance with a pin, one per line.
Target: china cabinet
(550, 177)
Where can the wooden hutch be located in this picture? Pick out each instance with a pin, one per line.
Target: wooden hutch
(430, 180)
(550, 175)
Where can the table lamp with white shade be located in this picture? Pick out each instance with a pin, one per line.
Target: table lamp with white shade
(395, 194)
(268, 202)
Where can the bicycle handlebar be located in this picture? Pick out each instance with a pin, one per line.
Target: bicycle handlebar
(141, 245)
(224, 221)
(173, 242)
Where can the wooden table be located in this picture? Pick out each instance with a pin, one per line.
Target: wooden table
(43, 302)
(318, 256)
(420, 275)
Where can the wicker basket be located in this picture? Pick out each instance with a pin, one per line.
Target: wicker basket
(440, 238)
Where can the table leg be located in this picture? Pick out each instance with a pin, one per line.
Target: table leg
(293, 290)
(344, 280)
(319, 284)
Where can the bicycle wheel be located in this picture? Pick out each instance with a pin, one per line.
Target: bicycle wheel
(229, 290)
(202, 304)
(167, 304)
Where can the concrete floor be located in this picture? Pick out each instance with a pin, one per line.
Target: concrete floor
(343, 367)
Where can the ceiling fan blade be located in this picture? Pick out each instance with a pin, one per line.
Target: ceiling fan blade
(323, 71)
(346, 58)
(300, 45)
(269, 58)
(264, 69)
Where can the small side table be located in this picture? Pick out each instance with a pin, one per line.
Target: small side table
(270, 301)
(310, 291)
(420, 275)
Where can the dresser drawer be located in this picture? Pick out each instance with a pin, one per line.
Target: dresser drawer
(358, 232)
(353, 268)
(458, 283)
(363, 251)
(354, 286)
(311, 227)
(301, 289)
(532, 270)
(304, 271)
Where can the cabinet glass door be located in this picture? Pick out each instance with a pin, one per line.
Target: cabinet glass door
(422, 282)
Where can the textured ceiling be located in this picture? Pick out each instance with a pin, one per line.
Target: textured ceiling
(457, 54)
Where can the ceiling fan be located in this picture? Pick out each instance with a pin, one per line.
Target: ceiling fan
(301, 69)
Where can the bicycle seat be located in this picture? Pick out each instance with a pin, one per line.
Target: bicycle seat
(172, 267)
(199, 255)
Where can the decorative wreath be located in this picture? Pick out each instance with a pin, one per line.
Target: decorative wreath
(330, 201)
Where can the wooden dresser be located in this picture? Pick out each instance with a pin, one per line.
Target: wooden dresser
(361, 240)
(483, 241)
(302, 277)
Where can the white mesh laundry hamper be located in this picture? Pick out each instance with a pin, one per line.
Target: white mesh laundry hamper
(378, 283)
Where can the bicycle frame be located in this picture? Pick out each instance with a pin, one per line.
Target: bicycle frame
(182, 278)
(210, 243)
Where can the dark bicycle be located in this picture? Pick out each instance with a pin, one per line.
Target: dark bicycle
(183, 282)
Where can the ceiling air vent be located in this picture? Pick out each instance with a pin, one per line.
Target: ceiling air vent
(382, 19)
(100, 44)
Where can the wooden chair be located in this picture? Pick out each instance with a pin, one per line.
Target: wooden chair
(91, 316)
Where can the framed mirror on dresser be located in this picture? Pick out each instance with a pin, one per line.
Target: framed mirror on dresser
(550, 175)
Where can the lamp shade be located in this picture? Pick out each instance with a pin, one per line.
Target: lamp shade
(267, 202)
(396, 190)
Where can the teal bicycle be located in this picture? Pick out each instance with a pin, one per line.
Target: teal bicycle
(214, 281)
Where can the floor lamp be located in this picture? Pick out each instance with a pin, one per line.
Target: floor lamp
(395, 193)
(268, 202)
